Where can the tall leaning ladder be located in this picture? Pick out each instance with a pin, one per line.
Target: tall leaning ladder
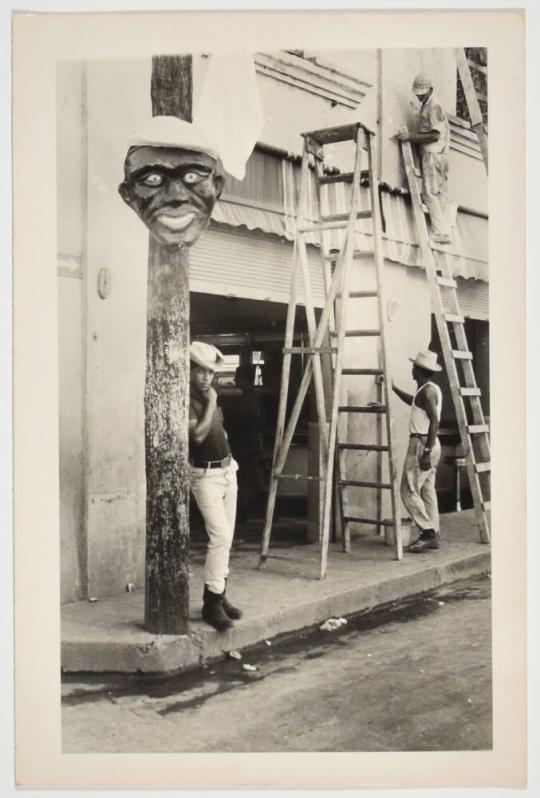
(336, 287)
(477, 120)
(458, 360)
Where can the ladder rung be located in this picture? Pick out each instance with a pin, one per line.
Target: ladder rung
(357, 333)
(481, 468)
(355, 519)
(361, 372)
(360, 294)
(333, 135)
(355, 483)
(343, 177)
(470, 391)
(298, 476)
(451, 318)
(310, 350)
(447, 282)
(477, 429)
(461, 354)
(362, 409)
(442, 248)
(344, 217)
(332, 222)
(361, 333)
(364, 447)
(357, 254)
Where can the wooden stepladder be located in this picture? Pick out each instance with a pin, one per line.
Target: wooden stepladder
(473, 430)
(327, 338)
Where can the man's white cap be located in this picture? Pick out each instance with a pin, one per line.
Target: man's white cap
(426, 360)
(421, 84)
(205, 355)
(170, 131)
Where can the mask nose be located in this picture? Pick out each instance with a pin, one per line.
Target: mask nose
(177, 192)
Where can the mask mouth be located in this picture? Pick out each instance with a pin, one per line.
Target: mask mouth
(174, 220)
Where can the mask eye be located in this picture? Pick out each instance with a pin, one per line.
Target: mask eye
(193, 177)
(153, 180)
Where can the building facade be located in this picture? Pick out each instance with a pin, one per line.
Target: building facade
(239, 272)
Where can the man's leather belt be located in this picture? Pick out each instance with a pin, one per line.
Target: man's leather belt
(212, 463)
(418, 435)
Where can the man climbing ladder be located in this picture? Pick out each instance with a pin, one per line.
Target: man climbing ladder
(433, 140)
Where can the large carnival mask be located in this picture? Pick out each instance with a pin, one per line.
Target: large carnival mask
(173, 189)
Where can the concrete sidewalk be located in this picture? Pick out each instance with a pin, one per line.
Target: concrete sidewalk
(108, 635)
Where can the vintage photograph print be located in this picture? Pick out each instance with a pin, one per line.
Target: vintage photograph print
(274, 388)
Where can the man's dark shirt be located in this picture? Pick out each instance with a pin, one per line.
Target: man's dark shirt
(216, 445)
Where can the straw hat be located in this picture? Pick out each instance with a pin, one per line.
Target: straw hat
(205, 355)
(426, 360)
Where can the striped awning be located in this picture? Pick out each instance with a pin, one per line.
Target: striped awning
(468, 253)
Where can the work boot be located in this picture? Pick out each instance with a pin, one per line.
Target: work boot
(213, 612)
(429, 539)
(233, 612)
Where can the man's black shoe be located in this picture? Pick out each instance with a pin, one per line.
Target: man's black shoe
(233, 612)
(213, 611)
(427, 540)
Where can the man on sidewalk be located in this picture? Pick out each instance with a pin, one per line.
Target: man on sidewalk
(213, 482)
(433, 139)
(424, 452)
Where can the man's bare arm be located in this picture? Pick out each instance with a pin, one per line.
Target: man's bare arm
(403, 395)
(419, 138)
(198, 430)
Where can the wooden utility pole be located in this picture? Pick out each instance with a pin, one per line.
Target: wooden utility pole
(166, 397)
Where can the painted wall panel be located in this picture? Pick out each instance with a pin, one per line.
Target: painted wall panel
(70, 367)
(118, 102)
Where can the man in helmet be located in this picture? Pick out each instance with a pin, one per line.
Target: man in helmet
(433, 139)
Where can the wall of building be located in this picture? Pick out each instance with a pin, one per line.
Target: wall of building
(118, 100)
(70, 177)
(102, 339)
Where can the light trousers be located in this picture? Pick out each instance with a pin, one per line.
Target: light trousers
(435, 190)
(418, 487)
(215, 491)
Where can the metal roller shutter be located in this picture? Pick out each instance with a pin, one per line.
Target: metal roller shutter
(250, 264)
(474, 299)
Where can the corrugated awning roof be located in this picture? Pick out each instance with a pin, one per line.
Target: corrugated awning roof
(468, 254)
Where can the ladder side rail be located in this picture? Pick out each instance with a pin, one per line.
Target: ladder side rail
(325, 236)
(469, 376)
(444, 335)
(308, 299)
(477, 120)
(346, 261)
(384, 349)
(308, 372)
(282, 408)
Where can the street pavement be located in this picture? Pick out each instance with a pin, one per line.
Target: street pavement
(411, 676)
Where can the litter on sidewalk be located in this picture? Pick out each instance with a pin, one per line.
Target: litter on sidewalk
(332, 624)
(234, 655)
